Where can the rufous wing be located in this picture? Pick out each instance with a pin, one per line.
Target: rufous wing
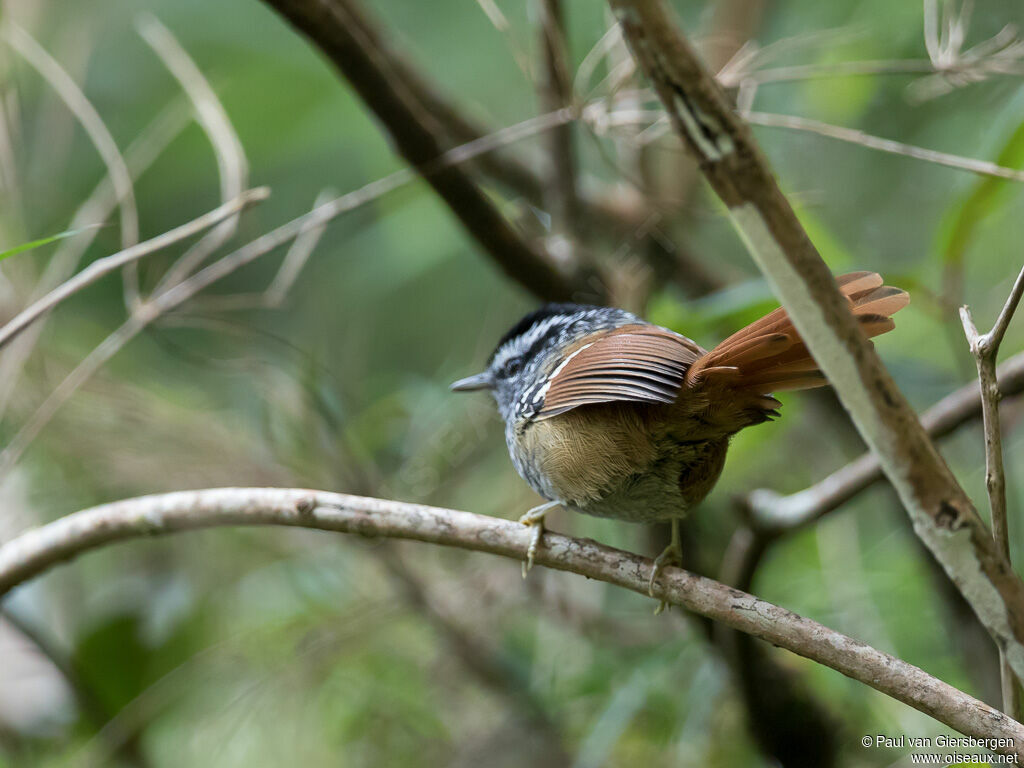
(634, 363)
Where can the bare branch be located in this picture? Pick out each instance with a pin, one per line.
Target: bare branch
(338, 29)
(602, 120)
(35, 551)
(555, 91)
(294, 260)
(990, 345)
(108, 264)
(774, 514)
(854, 136)
(733, 165)
(985, 349)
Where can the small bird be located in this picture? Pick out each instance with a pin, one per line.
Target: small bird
(612, 416)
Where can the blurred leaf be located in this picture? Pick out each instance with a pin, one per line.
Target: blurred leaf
(984, 198)
(832, 250)
(112, 660)
(841, 99)
(42, 241)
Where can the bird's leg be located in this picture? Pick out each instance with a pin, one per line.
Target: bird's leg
(672, 555)
(535, 518)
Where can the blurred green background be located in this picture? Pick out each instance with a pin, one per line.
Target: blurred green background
(281, 647)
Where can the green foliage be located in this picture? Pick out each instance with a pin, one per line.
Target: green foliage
(984, 198)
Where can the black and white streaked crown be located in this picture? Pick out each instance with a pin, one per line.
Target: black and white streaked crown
(525, 356)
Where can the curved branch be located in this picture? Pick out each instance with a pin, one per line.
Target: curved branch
(37, 550)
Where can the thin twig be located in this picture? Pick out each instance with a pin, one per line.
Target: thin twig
(294, 260)
(602, 120)
(108, 264)
(35, 551)
(866, 68)
(232, 165)
(555, 91)
(985, 348)
(297, 256)
(500, 23)
(82, 108)
(981, 167)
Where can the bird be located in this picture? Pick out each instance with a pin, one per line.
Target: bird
(612, 416)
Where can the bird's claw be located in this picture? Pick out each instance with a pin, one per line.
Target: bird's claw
(671, 555)
(535, 519)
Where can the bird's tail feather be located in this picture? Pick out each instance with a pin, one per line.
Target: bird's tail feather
(769, 356)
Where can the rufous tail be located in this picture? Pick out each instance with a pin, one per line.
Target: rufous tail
(769, 356)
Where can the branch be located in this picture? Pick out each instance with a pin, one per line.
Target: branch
(35, 551)
(733, 165)
(854, 136)
(985, 349)
(773, 514)
(339, 31)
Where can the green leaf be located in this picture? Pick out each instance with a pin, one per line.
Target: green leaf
(41, 241)
(984, 198)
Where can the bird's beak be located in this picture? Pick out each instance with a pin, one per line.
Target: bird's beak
(473, 383)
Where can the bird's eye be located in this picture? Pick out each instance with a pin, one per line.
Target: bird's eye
(512, 367)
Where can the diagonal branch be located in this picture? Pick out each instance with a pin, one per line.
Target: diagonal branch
(37, 550)
(338, 30)
(733, 165)
(614, 210)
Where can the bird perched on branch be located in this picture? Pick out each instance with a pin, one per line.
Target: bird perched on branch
(612, 416)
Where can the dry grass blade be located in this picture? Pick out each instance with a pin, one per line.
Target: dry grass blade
(500, 22)
(140, 154)
(232, 165)
(69, 92)
(853, 136)
(295, 259)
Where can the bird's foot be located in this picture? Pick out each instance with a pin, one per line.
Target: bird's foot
(671, 555)
(535, 519)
